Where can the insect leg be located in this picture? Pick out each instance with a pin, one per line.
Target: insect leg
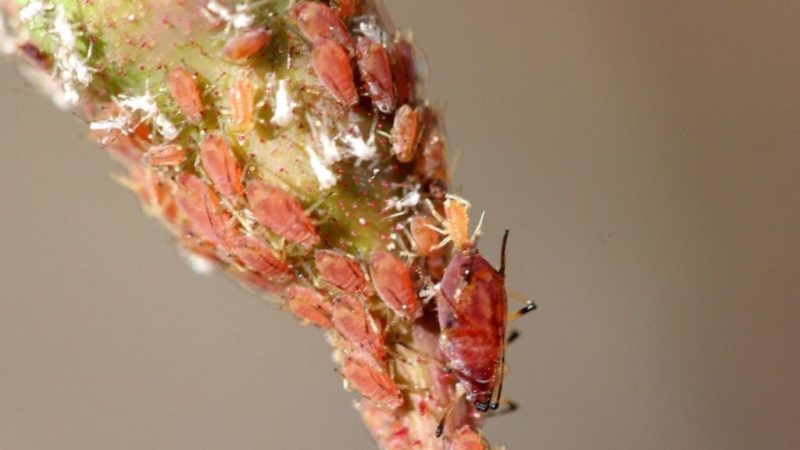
(512, 336)
(503, 252)
(529, 306)
(505, 406)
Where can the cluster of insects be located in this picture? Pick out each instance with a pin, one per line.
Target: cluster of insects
(440, 305)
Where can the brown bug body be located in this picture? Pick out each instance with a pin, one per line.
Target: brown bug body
(281, 213)
(404, 133)
(372, 382)
(318, 23)
(425, 237)
(309, 305)
(472, 306)
(376, 73)
(392, 279)
(247, 44)
(222, 167)
(332, 65)
(184, 91)
(342, 271)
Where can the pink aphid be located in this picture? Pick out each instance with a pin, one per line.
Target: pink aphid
(165, 155)
(431, 164)
(241, 96)
(257, 256)
(351, 320)
(318, 22)
(392, 279)
(183, 88)
(332, 65)
(309, 305)
(405, 133)
(342, 271)
(222, 167)
(372, 382)
(281, 213)
(202, 208)
(467, 439)
(376, 73)
(247, 44)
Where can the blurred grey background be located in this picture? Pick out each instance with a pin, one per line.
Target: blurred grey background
(645, 155)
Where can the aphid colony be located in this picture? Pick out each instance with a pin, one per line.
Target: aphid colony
(417, 316)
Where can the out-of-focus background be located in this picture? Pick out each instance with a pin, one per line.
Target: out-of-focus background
(645, 154)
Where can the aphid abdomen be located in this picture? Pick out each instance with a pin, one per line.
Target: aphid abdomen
(222, 167)
(165, 155)
(247, 44)
(258, 257)
(201, 206)
(372, 382)
(392, 279)
(472, 307)
(342, 271)
(309, 305)
(184, 91)
(332, 65)
(350, 319)
(376, 73)
(404, 133)
(242, 98)
(281, 213)
(318, 23)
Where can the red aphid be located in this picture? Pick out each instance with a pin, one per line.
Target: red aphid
(405, 132)
(318, 23)
(222, 167)
(351, 320)
(165, 155)
(472, 307)
(281, 213)
(342, 271)
(241, 96)
(247, 44)
(392, 279)
(372, 382)
(467, 439)
(257, 256)
(309, 305)
(425, 238)
(184, 91)
(201, 206)
(376, 73)
(332, 65)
